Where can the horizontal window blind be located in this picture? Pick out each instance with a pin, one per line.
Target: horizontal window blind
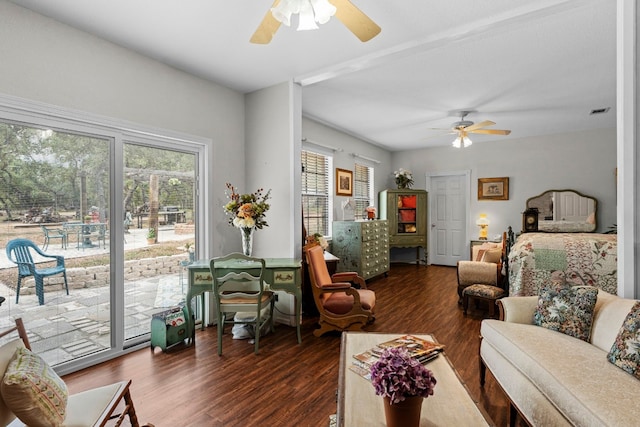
(315, 193)
(362, 189)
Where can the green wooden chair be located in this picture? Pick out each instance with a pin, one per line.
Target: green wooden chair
(238, 287)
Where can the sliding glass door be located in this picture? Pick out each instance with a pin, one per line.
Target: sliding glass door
(159, 231)
(55, 193)
(118, 207)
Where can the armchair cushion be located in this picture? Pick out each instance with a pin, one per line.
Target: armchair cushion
(86, 408)
(33, 391)
(492, 255)
(342, 303)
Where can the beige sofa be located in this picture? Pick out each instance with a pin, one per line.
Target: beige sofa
(553, 379)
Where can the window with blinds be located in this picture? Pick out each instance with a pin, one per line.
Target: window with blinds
(315, 192)
(362, 189)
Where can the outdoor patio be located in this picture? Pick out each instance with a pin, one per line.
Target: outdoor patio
(81, 320)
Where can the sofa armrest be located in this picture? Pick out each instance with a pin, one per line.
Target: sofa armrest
(518, 309)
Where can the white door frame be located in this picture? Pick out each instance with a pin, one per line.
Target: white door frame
(467, 178)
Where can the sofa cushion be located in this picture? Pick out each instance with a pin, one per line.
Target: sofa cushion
(33, 391)
(571, 373)
(625, 351)
(610, 312)
(567, 309)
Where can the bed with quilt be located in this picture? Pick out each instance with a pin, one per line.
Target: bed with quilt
(537, 259)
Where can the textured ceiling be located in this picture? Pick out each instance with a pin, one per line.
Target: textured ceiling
(532, 67)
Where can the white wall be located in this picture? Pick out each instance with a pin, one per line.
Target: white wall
(46, 61)
(344, 159)
(273, 162)
(582, 161)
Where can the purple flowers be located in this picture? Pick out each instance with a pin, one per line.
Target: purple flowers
(397, 375)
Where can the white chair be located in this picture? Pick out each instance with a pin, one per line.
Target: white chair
(96, 407)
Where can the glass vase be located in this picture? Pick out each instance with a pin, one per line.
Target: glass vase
(247, 240)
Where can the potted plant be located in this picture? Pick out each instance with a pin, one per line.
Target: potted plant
(151, 235)
(403, 382)
(403, 178)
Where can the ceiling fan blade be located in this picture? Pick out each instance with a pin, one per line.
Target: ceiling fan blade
(479, 125)
(355, 20)
(267, 28)
(490, 131)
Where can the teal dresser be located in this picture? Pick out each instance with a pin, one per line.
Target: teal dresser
(361, 246)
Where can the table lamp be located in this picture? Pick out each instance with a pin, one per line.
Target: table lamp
(483, 223)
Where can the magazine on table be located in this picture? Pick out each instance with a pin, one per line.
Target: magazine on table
(417, 347)
(422, 350)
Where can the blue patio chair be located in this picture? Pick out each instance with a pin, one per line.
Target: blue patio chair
(19, 251)
(54, 233)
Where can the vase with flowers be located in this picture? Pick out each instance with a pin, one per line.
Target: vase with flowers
(247, 212)
(190, 248)
(404, 178)
(403, 382)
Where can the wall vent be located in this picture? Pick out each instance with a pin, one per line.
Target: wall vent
(599, 111)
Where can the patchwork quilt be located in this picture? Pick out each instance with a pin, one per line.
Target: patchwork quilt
(538, 259)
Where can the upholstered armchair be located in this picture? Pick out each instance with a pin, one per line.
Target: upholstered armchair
(485, 267)
(481, 278)
(341, 306)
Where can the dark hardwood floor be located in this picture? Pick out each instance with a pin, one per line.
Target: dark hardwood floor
(289, 384)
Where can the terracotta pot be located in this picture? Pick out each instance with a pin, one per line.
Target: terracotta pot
(403, 414)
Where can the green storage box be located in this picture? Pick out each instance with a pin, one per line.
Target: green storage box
(170, 328)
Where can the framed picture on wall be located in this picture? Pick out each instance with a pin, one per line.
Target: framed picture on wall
(344, 182)
(493, 188)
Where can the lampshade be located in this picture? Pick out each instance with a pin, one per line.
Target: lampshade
(483, 223)
(461, 141)
(483, 220)
(309, 12)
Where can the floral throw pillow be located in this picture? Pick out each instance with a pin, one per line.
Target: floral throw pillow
(625, 351)
(567, 309)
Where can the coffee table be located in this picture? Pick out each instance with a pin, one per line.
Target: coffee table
(358, 405)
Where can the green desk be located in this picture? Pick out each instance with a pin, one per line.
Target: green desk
(282, 274)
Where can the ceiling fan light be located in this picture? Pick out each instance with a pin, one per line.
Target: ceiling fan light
(306, 20)
(466, 141)
(282, 12)
(457, 143)
(323, 10)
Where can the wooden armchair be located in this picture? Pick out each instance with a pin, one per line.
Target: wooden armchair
(341, 306)
(101, 406)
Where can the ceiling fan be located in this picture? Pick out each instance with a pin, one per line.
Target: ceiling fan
(464, 127)
(312, 11)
